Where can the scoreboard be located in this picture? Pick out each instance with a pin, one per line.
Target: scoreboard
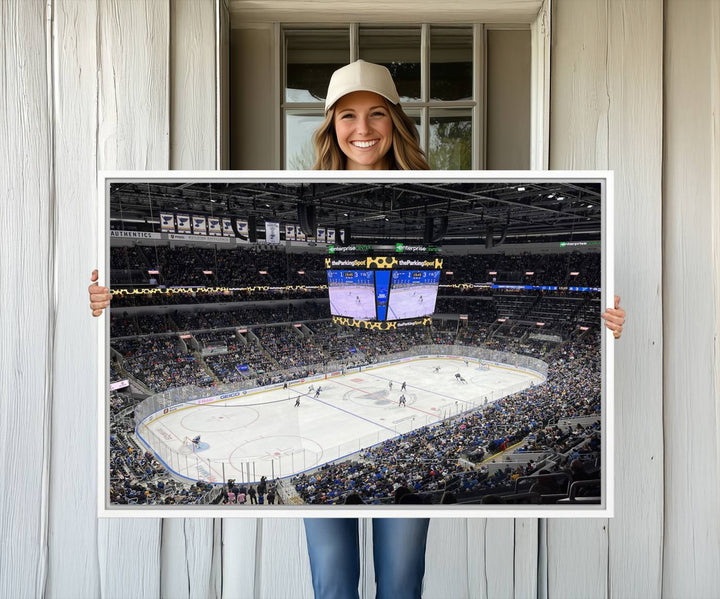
(376, 289)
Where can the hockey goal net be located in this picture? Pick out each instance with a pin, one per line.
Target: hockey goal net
(188, 446)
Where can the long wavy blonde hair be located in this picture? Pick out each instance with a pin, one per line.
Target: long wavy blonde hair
(405, 153)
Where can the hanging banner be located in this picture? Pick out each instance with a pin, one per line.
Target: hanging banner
(183, 223)
(342, 235)
(214, 228)
(167, 222)
(331, 235)
(272, 233)
(199, 225)
(227, 228)
(243, 230)
(321, 234)
(289, 232)
(299, 235)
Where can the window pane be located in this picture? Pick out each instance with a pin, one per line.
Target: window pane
(450, 139)
(299, 150)
(451, 56)
(399, 51)
(415, 117)
(311, 57)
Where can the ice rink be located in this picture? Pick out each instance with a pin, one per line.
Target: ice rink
(264, 433)
(353, 301)
(412, 302)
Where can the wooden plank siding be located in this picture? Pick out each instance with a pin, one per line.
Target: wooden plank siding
(115, 84)
(635, 87)
(606, 113)
(27, 320)
(692, 321)
(73, 544)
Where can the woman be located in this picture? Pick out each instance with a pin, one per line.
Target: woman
(365, 129)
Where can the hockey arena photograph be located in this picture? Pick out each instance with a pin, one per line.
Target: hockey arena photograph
(303, 343)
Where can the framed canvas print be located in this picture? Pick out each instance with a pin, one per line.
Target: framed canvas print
(286, 344)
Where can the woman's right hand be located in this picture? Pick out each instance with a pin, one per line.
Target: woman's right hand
(99, 296)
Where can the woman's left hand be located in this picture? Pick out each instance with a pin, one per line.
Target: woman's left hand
(615, 318)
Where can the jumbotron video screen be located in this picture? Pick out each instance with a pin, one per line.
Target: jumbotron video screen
(382, 294)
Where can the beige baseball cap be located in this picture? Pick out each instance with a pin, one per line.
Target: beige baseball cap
(361, 76)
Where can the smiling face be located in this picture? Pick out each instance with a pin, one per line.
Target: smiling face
(364, 130)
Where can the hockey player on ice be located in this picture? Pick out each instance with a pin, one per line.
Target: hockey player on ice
(459, 378)
(317, 392)
(403, 387)
(401, 401)
(297, 401)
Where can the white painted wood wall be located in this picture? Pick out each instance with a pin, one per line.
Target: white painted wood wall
(114, 84)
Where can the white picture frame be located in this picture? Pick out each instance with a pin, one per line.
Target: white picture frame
(604, 180)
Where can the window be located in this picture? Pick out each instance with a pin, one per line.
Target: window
(437, 69)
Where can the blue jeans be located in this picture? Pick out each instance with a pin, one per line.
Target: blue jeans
(398, 552)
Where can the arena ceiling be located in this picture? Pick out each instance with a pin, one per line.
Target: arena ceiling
(459, 212)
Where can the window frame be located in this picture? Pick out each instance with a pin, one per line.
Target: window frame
(540, 32)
